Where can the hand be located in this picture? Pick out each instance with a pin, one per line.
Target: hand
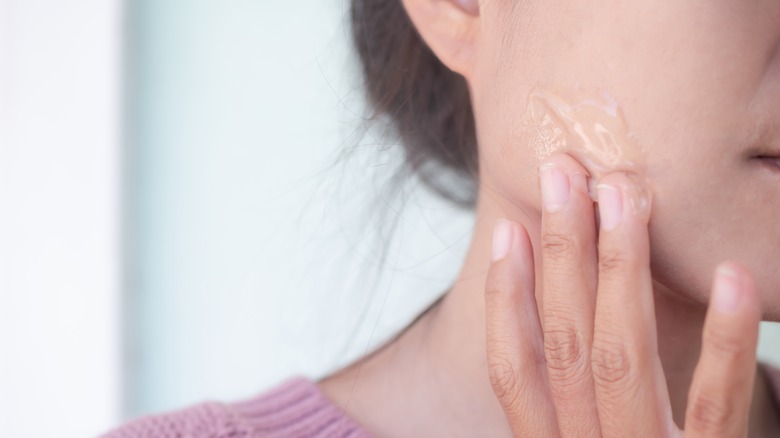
(585, 363)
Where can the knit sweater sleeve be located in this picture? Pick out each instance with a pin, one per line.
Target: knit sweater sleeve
(295, 409)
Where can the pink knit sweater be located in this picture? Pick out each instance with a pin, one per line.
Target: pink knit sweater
(295, 409)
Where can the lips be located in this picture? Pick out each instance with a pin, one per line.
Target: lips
(772, 161)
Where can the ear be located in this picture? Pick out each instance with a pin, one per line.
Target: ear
(450, 28)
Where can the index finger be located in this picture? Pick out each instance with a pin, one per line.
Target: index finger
(514, 352)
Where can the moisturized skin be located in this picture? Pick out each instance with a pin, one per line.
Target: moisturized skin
(592, 129)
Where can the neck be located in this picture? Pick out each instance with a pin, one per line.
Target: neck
(438, 366)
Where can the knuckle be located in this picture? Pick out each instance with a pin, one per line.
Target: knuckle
(492, 292)
(725, 343)
(504, 380)
(613, 262)
(709, 414)
(612, 366)
(499, 283)
(565, 355)
(558, 245)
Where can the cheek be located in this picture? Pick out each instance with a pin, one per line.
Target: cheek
(683, 85)
(708, 209)
(678, 226)
(508, 168)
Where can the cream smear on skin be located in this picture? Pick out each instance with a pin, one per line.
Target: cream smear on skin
(590, 128)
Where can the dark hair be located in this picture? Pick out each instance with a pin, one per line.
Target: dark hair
(426, 105)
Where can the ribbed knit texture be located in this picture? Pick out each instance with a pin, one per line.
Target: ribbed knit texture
(295, 409)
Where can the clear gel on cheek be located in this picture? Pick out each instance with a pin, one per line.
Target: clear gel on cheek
(593, 130)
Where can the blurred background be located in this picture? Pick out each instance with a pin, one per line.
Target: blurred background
(193, 207)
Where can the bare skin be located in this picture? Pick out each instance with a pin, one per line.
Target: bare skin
(698, 82)
(436, 376)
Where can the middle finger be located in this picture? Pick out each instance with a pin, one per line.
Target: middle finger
(630, 386)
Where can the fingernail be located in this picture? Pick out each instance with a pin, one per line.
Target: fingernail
(726, 293)
(502, 239)
(610, 206)
(555, 187)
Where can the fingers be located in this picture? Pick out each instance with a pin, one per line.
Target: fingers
(590, 366)
(514, 352)
(721, 392)
(629, 382)
(569, 267)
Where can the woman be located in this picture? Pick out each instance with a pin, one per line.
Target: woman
(663, 113)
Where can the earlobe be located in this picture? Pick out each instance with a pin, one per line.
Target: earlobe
(450, 28)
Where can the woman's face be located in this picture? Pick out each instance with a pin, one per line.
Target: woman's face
(689, 90)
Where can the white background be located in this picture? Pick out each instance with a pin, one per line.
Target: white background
(253, 256)
(249, 255)
(59, 217)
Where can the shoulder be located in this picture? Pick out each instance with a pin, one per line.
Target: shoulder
(295, 408)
